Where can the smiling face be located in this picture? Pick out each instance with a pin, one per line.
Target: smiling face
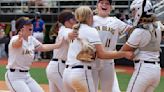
(103, 8)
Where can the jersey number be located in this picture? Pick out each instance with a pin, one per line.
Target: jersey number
(107, 44)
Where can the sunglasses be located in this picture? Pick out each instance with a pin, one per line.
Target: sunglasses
(30, 29)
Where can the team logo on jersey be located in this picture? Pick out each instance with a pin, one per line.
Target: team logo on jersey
(105, 28)
(26, 51)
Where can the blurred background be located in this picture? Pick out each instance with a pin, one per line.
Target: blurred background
(10, 10)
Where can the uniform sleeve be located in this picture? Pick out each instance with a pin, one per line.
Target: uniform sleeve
(65, 34)
(139, 38)
(14, 38)
(120, 26)
(93, 37)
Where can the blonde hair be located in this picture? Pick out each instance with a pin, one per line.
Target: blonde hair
(83, 13)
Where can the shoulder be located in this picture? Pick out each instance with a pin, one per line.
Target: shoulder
(140, 32)
(63, 29)
(14, 37)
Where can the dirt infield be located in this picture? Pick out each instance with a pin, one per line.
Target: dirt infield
(43, 64)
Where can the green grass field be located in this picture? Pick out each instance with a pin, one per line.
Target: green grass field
(39, 75)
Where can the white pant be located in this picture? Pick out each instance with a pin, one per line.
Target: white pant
(78, 80)
(145, 78)
(54, 73)
(39, 36)
(21, 82)
(104, 72)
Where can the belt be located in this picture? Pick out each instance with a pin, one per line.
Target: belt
(13, 70)
(79, 66)
(55, 59)
(147, 62)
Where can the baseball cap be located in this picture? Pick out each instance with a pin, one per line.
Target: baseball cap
(37, 15)
(20, 22)
(110, 1)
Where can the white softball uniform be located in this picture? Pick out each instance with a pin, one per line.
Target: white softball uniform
(146, 75)
(56, 66)
(17, 77)
(109, 29)
(77, 76)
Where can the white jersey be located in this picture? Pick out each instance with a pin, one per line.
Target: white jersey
(140, 38)
(21, 58)
(85, 32)
(61, 53)
(109, 29)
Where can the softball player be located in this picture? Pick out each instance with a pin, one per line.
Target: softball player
(21, 54)
(77, 76)
(109, 29)
(56, 66)
(145, 41)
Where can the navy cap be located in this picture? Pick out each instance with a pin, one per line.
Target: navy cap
(110, 1)
(37, 15)
(20, 22)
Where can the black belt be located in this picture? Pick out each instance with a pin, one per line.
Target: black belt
(146, 62)
(13, 70)
(55, 59)
(79, 66)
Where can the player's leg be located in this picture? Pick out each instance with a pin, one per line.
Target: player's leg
(95, 74)
(107, 76)
(95, 78)
(116, 87)
(66, 80)
(33, 85)
(143, 76)
(14, 84)
(54, 73)
(79, 79)
(155, 74)
(52, 87)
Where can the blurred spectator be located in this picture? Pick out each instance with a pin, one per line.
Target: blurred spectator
(4, 40)
(13, 29)
(38, 32)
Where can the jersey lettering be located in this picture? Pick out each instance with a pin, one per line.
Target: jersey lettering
(105, 28)
(26, 51)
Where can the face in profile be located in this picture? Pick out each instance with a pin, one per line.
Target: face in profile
(90, 20)
(27, 29)
(104, 8)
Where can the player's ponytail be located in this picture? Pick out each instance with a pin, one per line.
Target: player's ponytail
(83, 13)
(55, 28)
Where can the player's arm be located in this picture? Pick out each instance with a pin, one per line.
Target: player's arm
(18, 42)
(126, 47)
(101, 53)
(49, 47)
